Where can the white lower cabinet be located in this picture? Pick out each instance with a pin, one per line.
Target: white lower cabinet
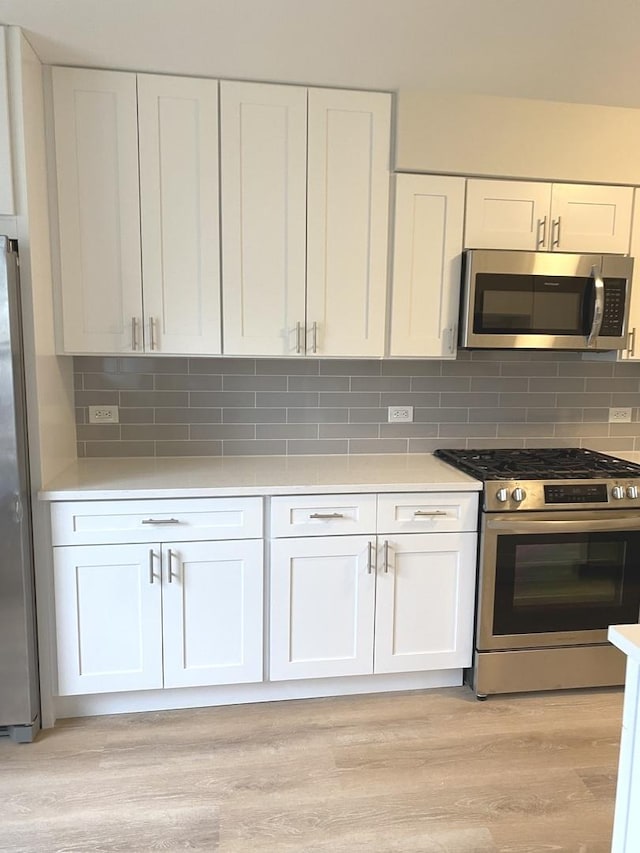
(322, 602)
(374, 603)
(134, 617)
(108, 618)
(153, 594)
(424, 602)
(212, 613)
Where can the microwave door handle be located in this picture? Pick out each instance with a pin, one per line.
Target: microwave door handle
(562, 526)
(598, 308)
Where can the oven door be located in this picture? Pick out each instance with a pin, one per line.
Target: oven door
(556, 578)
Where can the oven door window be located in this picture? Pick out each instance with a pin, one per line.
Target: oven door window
(532, 304)
(566, 582)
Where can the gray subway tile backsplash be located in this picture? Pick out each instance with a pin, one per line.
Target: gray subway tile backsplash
(237, 406)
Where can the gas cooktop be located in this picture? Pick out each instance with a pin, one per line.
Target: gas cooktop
(548, 478)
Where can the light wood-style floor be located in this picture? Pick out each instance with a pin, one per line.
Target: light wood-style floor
(433, 771)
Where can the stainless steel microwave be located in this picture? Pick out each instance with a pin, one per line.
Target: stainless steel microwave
(544, 300)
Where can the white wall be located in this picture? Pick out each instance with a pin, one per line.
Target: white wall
(514, 137)
(49, 378)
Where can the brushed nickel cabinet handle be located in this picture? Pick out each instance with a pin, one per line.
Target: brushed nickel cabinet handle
(631, 343)
(169, 561)
(152, 333)
(541, 232)
(386, 555)
(452, 339)
(298, 337)
(326, 515)
(314, 333)
(160, 521)
(151, 556)
(369, 557)
(134, 333)
(555, 233)
(423, 513)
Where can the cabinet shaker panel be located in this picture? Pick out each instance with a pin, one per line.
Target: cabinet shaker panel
(348, 210)
(179, 208)
(263, 203)
(96, 148)
(429, 215)
(108, 618)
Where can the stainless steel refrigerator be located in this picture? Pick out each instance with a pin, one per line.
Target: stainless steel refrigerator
(19, 694)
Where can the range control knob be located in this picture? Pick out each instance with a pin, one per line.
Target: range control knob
(518, 494)
(632, 492)
(502, 495)
(617, 493)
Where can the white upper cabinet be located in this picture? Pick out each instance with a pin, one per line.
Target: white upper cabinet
(96, 136)
(632, 353)
(263, 202)
(547, 217)
(120, 293)
(591, 218)
(506, 215)
(7, 201)
(304, 220)
(429, 216)
(178, 130)
(347, 222)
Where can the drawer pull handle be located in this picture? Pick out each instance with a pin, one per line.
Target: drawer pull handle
(161, 521)
(170, 560)
(369, 557)
(386, 556)
(151, 574)
(429, 513)
(326, 515)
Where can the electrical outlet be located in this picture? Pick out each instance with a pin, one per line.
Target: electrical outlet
(400, 414)
(103, 415)
(620, 416)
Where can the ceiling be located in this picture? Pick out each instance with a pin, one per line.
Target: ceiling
(587, 51)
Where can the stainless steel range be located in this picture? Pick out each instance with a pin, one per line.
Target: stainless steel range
(559, 562)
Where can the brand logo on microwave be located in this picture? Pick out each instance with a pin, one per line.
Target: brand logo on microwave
(552, 284)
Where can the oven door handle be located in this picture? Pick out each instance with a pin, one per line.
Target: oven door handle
(563, 526)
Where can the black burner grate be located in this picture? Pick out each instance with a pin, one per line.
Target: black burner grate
(571, 463)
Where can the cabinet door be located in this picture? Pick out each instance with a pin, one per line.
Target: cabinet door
(7, 205)
(263, 154)
(178, 130)
(347, 210)
(322, 600)
(426, 265)
(507, 215)
(108, 618)
(212, 612)
(424, 601)
(632, 353)
(96, 142)
(591, 218)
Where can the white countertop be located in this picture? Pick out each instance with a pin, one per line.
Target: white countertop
(627, 639)
(105, 479)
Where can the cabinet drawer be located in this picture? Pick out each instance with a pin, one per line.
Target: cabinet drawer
(437, 512)
(177, 520)
(322, 515)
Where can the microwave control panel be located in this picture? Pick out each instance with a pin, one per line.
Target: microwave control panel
(615, 290)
